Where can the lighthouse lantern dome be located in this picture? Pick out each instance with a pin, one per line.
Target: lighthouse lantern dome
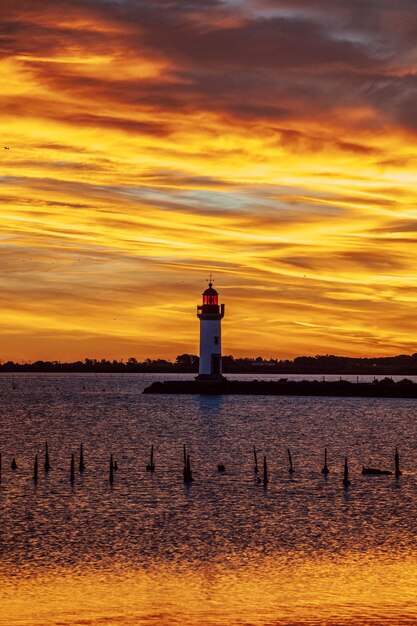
(210, 296)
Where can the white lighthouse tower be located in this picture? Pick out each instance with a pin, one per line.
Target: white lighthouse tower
(210, 315)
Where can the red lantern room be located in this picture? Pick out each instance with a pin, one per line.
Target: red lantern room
(210, 296)
(210, 307)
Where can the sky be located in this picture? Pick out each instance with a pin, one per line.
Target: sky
(271, 143)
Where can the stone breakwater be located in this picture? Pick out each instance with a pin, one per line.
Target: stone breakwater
(385, 388)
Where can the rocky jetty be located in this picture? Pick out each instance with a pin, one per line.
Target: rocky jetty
(385, 388)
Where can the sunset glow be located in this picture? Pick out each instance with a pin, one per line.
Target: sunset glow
(221, 595)
(145, 145)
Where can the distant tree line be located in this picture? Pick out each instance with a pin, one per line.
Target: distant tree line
(188, 363)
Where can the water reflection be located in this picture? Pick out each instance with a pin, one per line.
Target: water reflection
(147, 549)
(331, 591)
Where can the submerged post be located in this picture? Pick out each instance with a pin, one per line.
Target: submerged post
(325, 469)
(265, 479)
(346, 481)
(151, 466)
(46, 465)
(398, 472)
(291, 469)
(188, 475)
(35, 469)
(255, 469)
(72, 471)
(14, 464)
(111, 469)
(82, 464)
(0, 466)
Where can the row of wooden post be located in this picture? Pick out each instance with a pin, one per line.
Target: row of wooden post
(47, 465)
(187, 473)
(325, 470)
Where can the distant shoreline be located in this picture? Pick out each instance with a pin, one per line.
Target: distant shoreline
(320, 365)
(68, 370)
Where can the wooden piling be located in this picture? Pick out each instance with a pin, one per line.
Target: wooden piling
(188, 475)
(265, 479)
(256, 460)
(13, 464)
(35, 469)
(346, 481)
(185, 456)
(291, 469)
(46, 465)
(325, 469)
(398, 472)
(111, 468)
(82, 464)
(0, 466)
(151, 465)
(72, 471)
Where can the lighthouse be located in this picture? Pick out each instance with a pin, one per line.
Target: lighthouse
(210, 314)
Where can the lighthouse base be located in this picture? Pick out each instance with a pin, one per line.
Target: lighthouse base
(213, 378)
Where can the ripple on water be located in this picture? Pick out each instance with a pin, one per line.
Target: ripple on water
(233, 552)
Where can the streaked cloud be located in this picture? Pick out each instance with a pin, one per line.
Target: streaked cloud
(267, 141)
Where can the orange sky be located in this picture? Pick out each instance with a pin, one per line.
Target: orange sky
(269, 142)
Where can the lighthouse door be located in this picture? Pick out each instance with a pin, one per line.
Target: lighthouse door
(215, 364)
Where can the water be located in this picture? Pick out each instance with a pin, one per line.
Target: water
(224, 550)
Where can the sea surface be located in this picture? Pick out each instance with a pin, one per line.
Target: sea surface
(225, 550)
